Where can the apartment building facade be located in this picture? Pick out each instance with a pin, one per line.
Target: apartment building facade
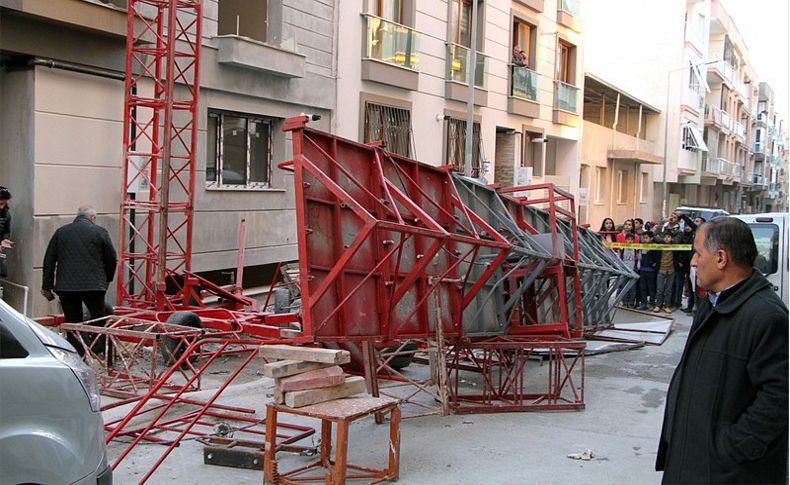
(62, 91)
(403, 78)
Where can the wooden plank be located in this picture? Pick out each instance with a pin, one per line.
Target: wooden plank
(314, 379)
(311, 354)
(285, 368)
(353, 385)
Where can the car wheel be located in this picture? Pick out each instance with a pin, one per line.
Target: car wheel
(172, 348)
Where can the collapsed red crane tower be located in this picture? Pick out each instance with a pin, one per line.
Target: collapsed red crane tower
(160, 133)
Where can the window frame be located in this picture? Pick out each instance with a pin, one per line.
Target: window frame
(460, 138)
(382, 108)
(249, 32)
(456, 30)
(218, 159)
(600, 185)
(622, 187)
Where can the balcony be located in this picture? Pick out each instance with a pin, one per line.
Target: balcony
(458, 58)
(719, 71)
(569, 14)
(523, 98)
(761, 119)
(565, 106)
(717, 118)
(457, 83)
(392, 54)
(739, 130)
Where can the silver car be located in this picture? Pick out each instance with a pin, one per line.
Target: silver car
(51, 428)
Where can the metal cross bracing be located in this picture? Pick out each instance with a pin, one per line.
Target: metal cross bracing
(504, 385)
(378, 233)
(160, 120)
(553, 304)
(605, 280)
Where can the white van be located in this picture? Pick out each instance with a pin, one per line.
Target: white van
(771, 236)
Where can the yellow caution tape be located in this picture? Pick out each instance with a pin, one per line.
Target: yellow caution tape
(649, 246)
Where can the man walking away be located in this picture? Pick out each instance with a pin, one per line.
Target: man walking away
(726, 410)
(79, 265)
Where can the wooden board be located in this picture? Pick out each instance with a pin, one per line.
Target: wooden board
(311, 354)
(285, 368)
(353, 385)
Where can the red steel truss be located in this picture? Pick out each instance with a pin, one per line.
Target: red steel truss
(160, 113)
(552, 305)
(378, 233)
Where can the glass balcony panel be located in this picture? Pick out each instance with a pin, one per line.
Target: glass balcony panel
(525, 83)
(570, 6)
(458, 59)
(393, 43)
(565, 96)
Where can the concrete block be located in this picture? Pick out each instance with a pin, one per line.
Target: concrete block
(314, 379)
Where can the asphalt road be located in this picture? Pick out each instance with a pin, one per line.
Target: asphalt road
(624, 394)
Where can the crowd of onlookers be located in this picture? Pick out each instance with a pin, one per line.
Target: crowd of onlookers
(664, 275)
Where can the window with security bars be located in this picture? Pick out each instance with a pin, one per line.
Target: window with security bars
(456, 145)
(392, 125)
(239, 151)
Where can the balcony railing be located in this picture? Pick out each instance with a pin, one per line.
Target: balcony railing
(393, 43)
(525, 83)
(458, 58)
(739, 129)
(565, 96)
(570, 6)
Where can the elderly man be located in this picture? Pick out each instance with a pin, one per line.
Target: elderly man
(78, 266)
(726, 412)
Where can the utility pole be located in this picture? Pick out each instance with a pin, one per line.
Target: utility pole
(470, 98)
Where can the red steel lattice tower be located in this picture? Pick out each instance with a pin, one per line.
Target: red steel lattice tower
(160, 120)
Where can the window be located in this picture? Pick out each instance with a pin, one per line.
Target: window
(247, 18)
(565, 54)
(644, 186)
(456, 145)
(524, 41)
(692, 140)
(239, 150)
(393, 125)
(766, 237)
(391, 10)
(622, 186)
(533, 152)
(461, 22)
(600, 184)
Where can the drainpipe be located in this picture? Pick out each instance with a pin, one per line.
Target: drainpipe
(614, 134)
(70, 66)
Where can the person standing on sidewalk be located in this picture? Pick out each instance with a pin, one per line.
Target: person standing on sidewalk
(5, 228)
(79, 265)
(665, 277)
(726, 415)
(648, 262)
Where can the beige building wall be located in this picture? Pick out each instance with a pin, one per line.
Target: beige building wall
(505, 131)
(66, 148)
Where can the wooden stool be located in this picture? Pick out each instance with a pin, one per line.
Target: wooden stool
(341, 412)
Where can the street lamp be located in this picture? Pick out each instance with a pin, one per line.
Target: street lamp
(666, 133)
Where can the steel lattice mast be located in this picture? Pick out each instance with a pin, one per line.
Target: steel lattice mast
(160, 120)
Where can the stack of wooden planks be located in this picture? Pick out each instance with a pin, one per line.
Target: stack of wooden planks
(306, 375)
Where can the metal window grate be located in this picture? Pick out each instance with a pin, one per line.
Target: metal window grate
(456, 145)
(392, 125)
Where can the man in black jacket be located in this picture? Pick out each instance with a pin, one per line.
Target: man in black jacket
(726, 412)
(78, 266)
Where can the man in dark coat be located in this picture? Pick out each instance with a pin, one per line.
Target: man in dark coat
(78, 266)
(726, 413)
